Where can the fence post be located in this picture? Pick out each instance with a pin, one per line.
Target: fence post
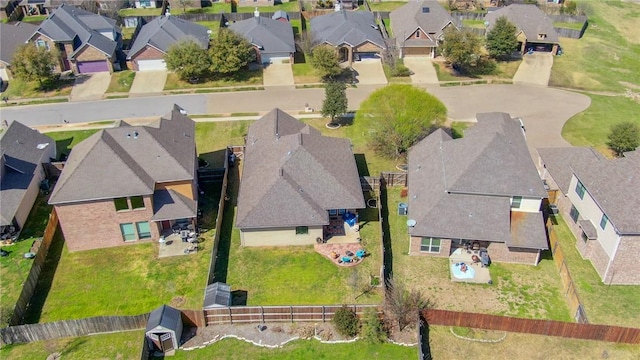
(230, 316)
(323, 313)
(262, 312)
(291, 312)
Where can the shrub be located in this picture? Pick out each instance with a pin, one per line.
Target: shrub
(372, 329)
(346, 322)
(400, 71)
(624, 137)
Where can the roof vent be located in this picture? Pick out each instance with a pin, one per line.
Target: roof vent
(135, 134)
(42, 146)
(128, 136)
(425, 10)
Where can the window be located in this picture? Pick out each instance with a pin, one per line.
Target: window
(144, 231)
(145, 3)
(574, 214)
(333, 212)
(128, 232)
(121, 204)
(431, 245)
(341, 211)
(580, 189)
(137, 202)
(604, 221)
(515, 202)
(302, 230)
(42, 44)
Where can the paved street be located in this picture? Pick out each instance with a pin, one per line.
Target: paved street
(543, 110)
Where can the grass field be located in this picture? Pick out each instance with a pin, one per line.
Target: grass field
(242, 78)
(606, 58)
(384, 6)
(19, 89)
(291, 6)
(139, 12)
(596, 296)
(478, 24)
(121, 81)
(304, 73)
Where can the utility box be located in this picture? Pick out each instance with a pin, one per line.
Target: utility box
(403, 208)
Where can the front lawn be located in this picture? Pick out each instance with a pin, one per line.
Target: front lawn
(19, 89)
(242, 78)
(592, 126)
(305, 73)
(517, 290)
(121, 81)
(604, 304)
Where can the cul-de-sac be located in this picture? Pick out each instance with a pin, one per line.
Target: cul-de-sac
(319, 179)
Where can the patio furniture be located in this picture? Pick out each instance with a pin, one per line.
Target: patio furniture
(349, 253)
(346, 259)
(184, 234)
(334, 255)
(484, 257)
(360, 253)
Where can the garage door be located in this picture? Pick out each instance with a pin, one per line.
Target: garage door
(365, 55)
(273, 58)
(421, 51)
(92, 66)
(150, 65)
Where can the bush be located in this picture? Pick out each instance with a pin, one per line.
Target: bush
(400, 71)
(346, 322)
(372, 329)
(624, 137)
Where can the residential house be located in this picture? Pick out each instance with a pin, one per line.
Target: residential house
(419, 27)
(598, 198)
(129, 184)
(12, 36)
(86, 42)
(354, 34)
(46, 7)
(479, 191)
(295, 182)
(534, 28)
(147, 4)
(272, 40)
(155, 37)
(23, 151)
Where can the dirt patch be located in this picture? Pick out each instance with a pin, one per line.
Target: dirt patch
(629, 85)
(178, 301)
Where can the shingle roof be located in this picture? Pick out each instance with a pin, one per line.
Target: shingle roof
(461, 188)
(528, 19)
(128, 161)
(292, 175)
(216, 295)
(613, 184)
(271, 36)
(164, 317)
(71, 24)
(346, 27)
(20, 155)
(406, 19)
(169, 205)
(11, 37)
(164, 31)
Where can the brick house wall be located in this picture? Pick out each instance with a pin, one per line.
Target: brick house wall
(414, 247)
(624, 269)
(414, 35)
(52, 45)
(367, 47)
(89, 53)
(500, 252)
(148, 53)
(96, 224)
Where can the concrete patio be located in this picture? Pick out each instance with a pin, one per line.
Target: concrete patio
(460, 255)
(174, 246)
(339, 232)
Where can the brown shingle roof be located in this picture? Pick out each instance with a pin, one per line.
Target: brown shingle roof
(292, 175)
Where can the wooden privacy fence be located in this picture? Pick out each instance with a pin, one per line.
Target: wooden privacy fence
(285, 313)
(71, 328)
(530, 326)
(395, 179)
(571, 295)
(30, 283)
(216, 237)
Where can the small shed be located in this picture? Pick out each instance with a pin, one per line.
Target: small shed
(164, 329)
(217, 294)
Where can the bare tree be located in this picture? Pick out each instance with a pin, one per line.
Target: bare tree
(404, 304)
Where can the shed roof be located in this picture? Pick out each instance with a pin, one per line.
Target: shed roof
(216, 295)
(164, 317)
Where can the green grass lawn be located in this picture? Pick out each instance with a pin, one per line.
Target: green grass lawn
(592, 126)
(385, 6)
(387, 25)
(304, 73)
(507, 69)
(478, 24)
(215, 8)
(297, 26)
(122, 345)
(606, 57)
(242, 78)
(66, 140)
(121, 81)
(139, 12)
(604, 304)
(214, 26)
(567, 25)
(517, 290)
(291, 6)
(34, 19)
(19, 89)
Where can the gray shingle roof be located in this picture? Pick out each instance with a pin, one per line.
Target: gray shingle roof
(20, 158)
(293, 175)
(116, 162)
(165, 317)
(71, 24)
(216, 295)
(528, 19)
(406, 19)
(12, 36)
(461, 188)
(346, 27)
(164, 31)
(613, 184)
(168, 205)
(271, 36)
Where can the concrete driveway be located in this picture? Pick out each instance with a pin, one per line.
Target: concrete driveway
(148, 83)
(277, 75)
(90, 86)
(422, 70)
(535, 69)
(369, 71)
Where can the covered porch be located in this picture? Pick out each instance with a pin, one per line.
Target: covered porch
(342, 229)
(176, 217)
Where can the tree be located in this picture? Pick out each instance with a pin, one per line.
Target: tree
(397, 116)
(346, 322)
(335, 100)
(501, 39)
(461, 48)
(230, 52)
(184, 4)
(624, 137)
(188, 60)
(32, 63)
(325, 60)
(372, 329)
(404, 304)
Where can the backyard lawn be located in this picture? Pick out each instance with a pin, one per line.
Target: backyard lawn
(517, 290)
(596, 296)
(291, 6)
(384, 6)
(121, 81)
(242, 78)
(587, 64)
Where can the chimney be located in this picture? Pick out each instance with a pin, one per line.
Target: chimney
(256, 13)
(337, 6)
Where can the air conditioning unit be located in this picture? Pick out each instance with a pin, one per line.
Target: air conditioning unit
(554, 209)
